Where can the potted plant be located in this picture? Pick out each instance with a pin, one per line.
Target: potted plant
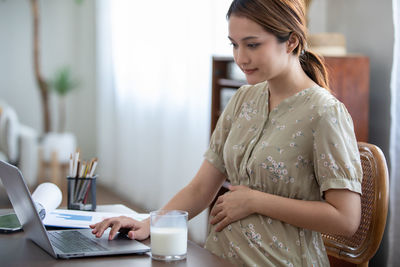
(62, 84)
(60, 142)
(52, 142)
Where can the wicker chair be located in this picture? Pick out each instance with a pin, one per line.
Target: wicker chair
(358, 249)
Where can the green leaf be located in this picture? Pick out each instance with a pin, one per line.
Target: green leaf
(63, 82)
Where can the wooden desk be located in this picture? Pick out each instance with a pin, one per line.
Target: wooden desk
(16, 250)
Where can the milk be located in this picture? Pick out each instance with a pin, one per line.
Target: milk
(167, 241)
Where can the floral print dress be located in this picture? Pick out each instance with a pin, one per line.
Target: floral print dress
(303, 147)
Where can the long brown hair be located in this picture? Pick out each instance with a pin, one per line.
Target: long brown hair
(283, 18)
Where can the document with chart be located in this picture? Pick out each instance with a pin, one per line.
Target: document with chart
(82, 219)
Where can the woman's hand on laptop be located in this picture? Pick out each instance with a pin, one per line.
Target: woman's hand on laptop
(139, 230)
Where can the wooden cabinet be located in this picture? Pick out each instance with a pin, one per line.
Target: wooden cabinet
(349, 82)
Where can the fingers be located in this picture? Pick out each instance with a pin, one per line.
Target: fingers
(131, 234)
(220, 216)
(114, 230)
(236, 187)
(217, 205)
(221, 220)
(216, 209)
(139, 234)
(116, 223)
(95, 227)
(100, 227)
(225, 222)
(142, 231)
(134, 229)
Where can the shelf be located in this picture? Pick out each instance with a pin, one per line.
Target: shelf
(349, 76)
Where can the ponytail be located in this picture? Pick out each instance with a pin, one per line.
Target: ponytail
(314, 67)
(283, 18)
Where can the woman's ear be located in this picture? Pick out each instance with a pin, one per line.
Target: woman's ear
(292, 43)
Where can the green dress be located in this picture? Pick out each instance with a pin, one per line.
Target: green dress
(303, 147)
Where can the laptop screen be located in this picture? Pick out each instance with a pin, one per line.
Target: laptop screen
(24, 206)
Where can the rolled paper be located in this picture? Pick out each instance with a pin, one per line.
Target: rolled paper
(47, 197)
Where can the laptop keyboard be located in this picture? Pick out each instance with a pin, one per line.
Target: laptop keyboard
(73, 241)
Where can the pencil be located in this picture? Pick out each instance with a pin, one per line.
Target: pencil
(76, 159)
(71, 167)
(93, 167)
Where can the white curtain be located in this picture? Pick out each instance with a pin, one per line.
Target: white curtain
(154, 71)
(394, 221)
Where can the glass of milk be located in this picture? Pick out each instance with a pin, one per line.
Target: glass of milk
(168, 234)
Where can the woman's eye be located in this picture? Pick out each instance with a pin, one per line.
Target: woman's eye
(233, 45)
(253, 45)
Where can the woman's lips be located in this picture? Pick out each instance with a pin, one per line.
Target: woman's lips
(249, 71)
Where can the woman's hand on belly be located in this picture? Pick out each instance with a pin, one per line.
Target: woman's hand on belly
(232, 206)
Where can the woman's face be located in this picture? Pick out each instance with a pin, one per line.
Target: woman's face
(257, 52)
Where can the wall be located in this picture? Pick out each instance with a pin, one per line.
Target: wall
(317, 17)
(368, 27)
(67, 38)
(374, 38)
(371, 37)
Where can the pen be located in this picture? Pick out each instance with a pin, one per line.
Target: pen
(70, 166)
(86, 173)
(86, 184)
(87, 193)
(83, 168)
(76, 179)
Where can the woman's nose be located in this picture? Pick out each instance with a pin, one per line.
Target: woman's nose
(241, 57)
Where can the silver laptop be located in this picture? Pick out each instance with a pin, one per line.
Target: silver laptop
(60, 243)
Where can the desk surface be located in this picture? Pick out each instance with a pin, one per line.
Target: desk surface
(16, 250)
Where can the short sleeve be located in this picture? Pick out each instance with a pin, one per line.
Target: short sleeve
(336, 157)
(214, 153)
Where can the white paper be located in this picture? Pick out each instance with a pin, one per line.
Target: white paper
(48, 195)
(82, 219)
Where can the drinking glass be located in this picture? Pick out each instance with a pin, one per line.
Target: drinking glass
(168, 234)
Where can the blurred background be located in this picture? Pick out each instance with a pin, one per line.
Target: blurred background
(130, 82)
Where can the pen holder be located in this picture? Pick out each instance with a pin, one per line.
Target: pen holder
(82, 193)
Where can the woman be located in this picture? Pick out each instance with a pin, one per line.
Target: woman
(284, 142)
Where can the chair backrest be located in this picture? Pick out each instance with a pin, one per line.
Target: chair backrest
(362, 246)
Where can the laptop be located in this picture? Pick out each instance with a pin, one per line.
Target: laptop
(60, 243)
